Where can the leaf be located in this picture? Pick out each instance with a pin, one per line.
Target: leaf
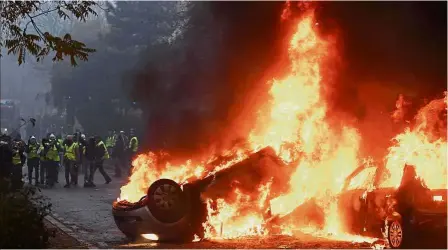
(20, 57)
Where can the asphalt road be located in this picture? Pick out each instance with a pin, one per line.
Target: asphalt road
(87, 212)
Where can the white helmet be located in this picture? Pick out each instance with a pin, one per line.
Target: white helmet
(52, 137)
(83, 136)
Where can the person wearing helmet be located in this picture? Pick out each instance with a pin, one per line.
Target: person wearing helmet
(33, 161)
(43, 149)
(70, 157)
(53, 160)
(81, 140)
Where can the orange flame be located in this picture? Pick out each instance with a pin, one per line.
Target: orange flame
(323, 153)
(424, 146)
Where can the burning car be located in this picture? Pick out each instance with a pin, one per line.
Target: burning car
(398, 214)
(171, 211)
(325, 149)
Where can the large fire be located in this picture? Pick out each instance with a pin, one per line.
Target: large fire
(295, 123)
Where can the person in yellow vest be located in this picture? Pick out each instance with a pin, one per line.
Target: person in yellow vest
(70, 158)
(109, 141)
(133, 148)
(17, 162)
(33, 160)
(101, 154)
(53, 160)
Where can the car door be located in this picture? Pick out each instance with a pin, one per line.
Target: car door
(352, 201)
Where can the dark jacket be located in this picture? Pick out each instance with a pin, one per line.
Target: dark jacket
(100, 151)
(90, 149)
(5, 156)
(120, 146)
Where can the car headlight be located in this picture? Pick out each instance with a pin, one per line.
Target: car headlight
(152, 237)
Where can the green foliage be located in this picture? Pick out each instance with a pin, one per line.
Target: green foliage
(18, 41)
(21, 217)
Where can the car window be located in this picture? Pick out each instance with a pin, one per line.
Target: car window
(363, 179)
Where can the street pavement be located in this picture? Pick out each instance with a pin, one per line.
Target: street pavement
(87, 211)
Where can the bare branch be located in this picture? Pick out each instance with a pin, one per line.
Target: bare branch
(43, 13)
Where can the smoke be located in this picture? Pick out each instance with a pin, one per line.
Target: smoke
(205, 88)
(386, 49)
(202, 83)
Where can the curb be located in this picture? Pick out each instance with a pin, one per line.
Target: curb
(70, 232)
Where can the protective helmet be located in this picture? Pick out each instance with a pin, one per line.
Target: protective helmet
(33, 139)
(52, 137)
(83, 136)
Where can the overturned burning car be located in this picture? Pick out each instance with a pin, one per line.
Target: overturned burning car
(177, 212)
(174, 212)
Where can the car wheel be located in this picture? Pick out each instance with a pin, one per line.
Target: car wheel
(395, 234)
(166, 201)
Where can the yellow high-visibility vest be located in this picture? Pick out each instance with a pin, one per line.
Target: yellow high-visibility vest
(16, 159)
(70, 151)
(133, 144)
(33, 151)
(42, 156)
(53, 154)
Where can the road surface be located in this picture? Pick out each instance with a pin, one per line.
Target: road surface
(87, 211)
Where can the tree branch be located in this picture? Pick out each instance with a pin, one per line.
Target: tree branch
(43, 13)
(39, 32)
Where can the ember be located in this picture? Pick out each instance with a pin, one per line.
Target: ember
(314, 156)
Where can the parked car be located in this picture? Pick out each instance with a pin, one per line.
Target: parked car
(400, 214)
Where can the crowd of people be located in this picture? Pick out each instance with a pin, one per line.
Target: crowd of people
(74, 154)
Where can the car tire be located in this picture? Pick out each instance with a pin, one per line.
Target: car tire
(166, 201)
(395, 234)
